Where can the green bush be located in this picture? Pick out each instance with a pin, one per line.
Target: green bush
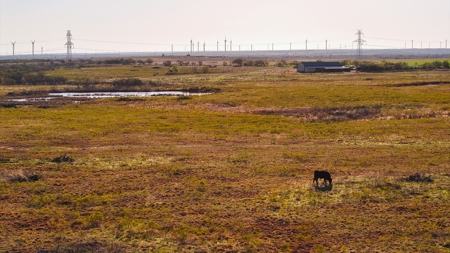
(446, 64)
(175, 69)
(205, 69)
(261, 63)
(238, 62)
(9, 81)
(127, 82)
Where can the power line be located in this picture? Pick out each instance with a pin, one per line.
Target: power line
(128, 43)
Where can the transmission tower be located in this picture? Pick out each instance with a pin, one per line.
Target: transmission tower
(14, 45)
(69, 45)
(360, 42)
(32, 43)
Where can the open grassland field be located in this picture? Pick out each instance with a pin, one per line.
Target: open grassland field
(230, 171)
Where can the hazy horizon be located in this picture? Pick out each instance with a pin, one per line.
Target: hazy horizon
(152, 26)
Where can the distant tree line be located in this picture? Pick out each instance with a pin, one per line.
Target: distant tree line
(239, 62)
(31, 74)
(20, 72)
(383, 66)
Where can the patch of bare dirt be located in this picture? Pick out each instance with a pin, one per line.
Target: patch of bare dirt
(420, 84)
(326, 114)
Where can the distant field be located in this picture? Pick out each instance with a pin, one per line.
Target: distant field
(230, 171)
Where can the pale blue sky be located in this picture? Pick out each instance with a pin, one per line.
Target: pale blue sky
(154, 25)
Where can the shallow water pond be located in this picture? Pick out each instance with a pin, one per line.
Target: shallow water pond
(122, 94)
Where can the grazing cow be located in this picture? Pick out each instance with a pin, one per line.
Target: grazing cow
(322, 174)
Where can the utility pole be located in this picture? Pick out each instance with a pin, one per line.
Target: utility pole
(14, 45)
(172, 48)
(225, 44)
(360, 42)
(190, 46)
(326, 44)
(204, 44)
(217, 46)
(32, 43)
(412, 44)
(306, 44)
(231, 45)
(42, 50)
(198, 46)
(272, 46)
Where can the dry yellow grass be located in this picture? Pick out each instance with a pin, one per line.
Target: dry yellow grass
(232, 171)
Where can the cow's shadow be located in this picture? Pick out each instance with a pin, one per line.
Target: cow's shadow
(324, 187)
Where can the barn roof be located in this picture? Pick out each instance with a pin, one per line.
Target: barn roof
(321, 64)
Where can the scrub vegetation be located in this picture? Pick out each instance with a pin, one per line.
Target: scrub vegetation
(230, 171)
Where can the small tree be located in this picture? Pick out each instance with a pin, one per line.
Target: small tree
(149, 61)
(261, 63)
(238, 62)
(437, 64)
(9, 81)
(282, 63)
(249, 63)
(167, 63)
(446, 64)
(205, 69)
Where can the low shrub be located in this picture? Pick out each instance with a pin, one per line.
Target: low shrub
(127, 82)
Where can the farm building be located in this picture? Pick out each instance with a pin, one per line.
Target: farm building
(311, 67)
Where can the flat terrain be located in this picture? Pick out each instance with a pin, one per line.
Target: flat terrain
(229, 171)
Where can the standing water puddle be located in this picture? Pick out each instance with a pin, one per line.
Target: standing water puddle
(93, 95)
(122, 94)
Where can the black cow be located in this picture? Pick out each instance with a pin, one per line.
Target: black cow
(322, 174)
